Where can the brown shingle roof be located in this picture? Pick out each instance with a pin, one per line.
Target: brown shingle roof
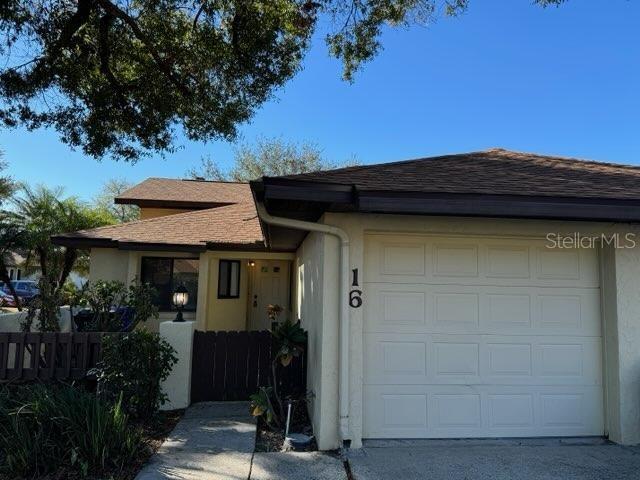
(495, 172)
(169, 192)
(232, 226)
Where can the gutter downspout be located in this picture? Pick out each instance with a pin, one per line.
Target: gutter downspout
(343, 372)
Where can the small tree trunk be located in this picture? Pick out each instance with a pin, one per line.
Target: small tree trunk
(70, 257)
(42, 253)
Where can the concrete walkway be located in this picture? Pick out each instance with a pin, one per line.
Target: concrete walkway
(495, 460)
(297, 466)
(213, 441)
(216, 440)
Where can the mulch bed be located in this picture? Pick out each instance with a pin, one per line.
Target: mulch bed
(154, 434)
(271, 438)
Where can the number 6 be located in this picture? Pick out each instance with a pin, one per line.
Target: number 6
(355, 299)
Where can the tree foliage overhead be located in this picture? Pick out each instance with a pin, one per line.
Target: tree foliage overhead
(118, 77)
(270, 157)
(7, 186)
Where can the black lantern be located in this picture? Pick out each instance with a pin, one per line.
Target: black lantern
(180, 299)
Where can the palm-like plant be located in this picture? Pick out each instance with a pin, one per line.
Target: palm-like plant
(289, 339)
(6, 186)
(44, 213)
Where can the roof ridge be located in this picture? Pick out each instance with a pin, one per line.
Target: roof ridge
(496, 150)
(562, 158)
(372, 165)
(178, 179)
(204, 180)
(173, 179)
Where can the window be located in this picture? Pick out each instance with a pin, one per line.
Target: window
(166, 274)
(229, 279)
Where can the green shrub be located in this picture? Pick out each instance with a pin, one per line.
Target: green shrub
(115, 306)
(133, 366)
(289, 341)
(45, 428)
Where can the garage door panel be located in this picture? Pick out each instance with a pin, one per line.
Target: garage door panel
(455, 260)
(482, 309)
(480, 337)
(508, 262)
(402, 259)
(396, 359)
(441, 411)
(455, 411)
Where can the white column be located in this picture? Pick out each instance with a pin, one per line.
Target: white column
(132, 267)
(177, 386)
(203, 291)
(621, 309)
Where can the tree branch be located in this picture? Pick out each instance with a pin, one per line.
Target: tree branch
(77, 20)
(197, 17)
(104, 51)
(164, 66)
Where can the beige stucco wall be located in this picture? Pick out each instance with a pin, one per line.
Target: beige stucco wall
(621, 312)
(211, 313)
(621, 309)
(147, 212)
(227, 313)
(316, 280)
(108, 264)
(124, 266)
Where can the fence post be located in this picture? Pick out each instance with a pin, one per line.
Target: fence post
(177, 386)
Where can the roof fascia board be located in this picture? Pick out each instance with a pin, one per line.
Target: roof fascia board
(183, 204)
(513, 206)
(249, 247)
(173, 247)
(83, 242)
(108, 243)
(502, 206)
(314, 192)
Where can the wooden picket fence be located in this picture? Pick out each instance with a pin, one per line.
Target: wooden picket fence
(48, 355)
(233, 365)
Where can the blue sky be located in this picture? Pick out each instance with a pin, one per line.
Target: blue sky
(560, 81)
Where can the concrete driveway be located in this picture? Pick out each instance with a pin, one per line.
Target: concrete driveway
(495, 460)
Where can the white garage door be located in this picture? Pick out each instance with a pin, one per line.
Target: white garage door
(480, 337)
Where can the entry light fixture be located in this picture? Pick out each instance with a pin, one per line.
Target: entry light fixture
(180, 299)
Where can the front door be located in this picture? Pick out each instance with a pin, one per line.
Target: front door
(269, 286)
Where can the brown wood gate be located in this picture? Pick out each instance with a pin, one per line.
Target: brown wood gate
(233, 365)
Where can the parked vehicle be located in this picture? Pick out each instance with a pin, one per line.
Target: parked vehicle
(7, 300)
(27, 290)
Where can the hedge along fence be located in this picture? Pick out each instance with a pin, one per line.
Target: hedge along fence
(48, 355)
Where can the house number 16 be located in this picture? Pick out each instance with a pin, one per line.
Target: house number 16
(355, 295)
